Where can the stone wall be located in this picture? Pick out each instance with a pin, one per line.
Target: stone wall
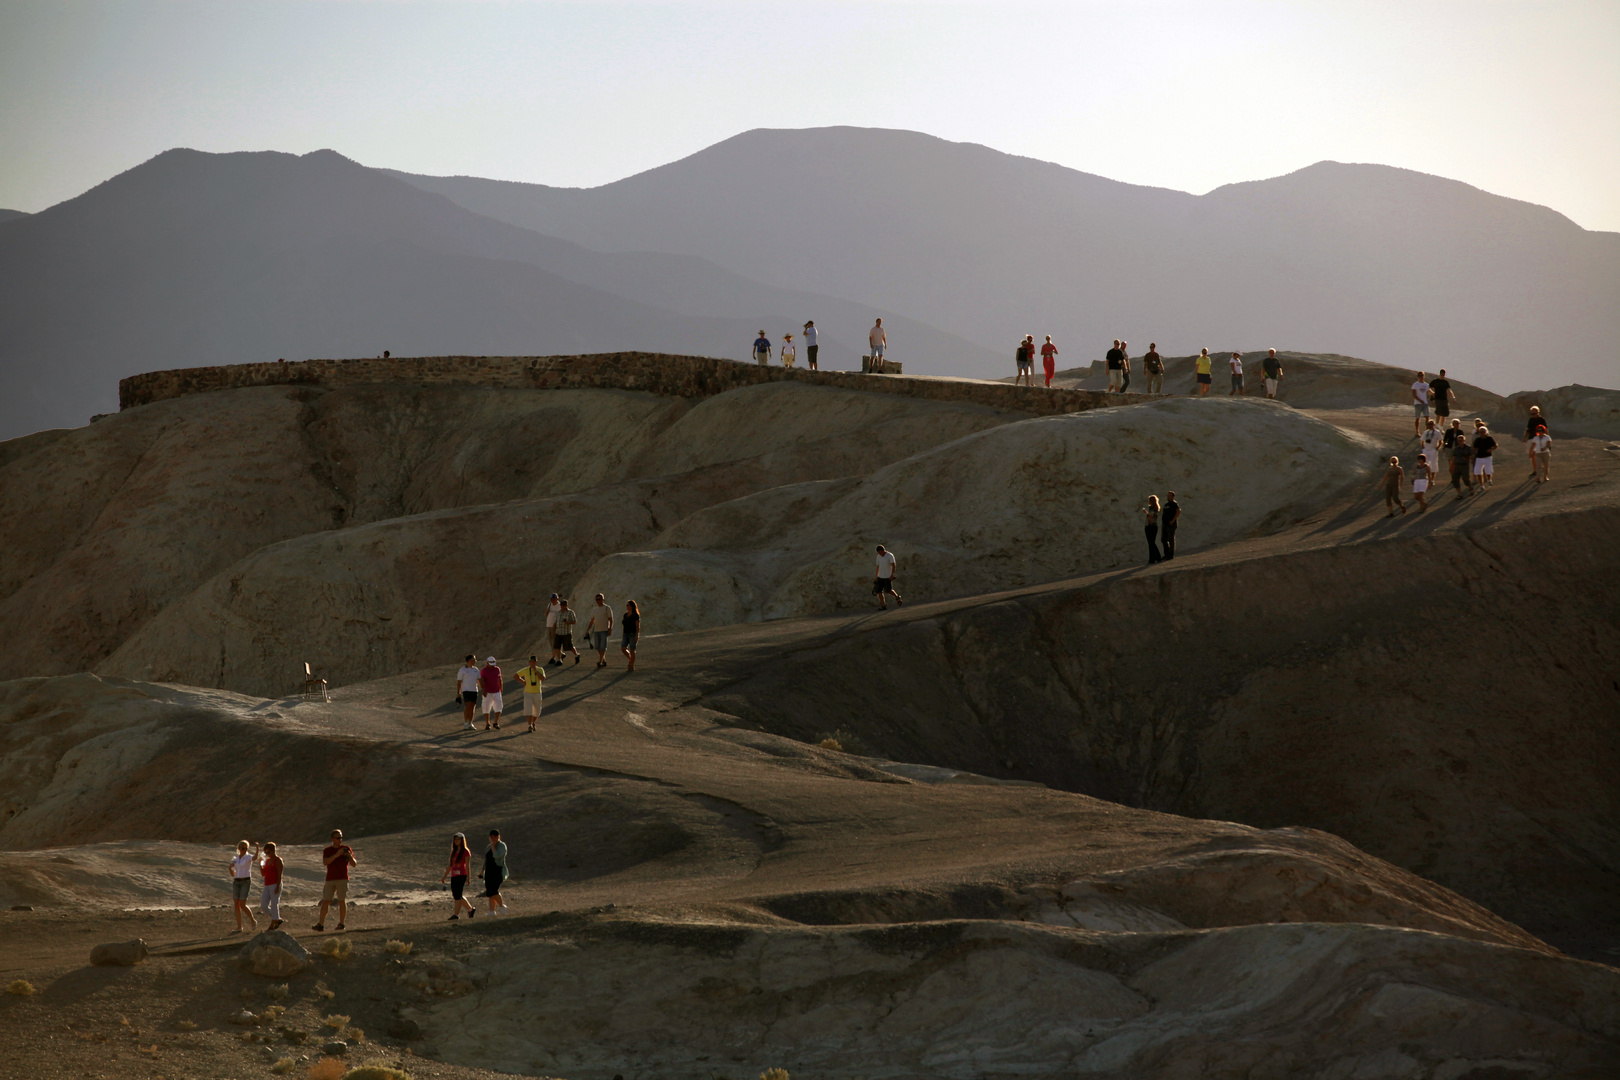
(653, 373)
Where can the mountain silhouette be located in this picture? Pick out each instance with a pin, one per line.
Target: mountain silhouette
(194, 259)
(1367, 260)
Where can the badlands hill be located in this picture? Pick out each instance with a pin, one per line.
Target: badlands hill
(1368, 260)
(1328, 795)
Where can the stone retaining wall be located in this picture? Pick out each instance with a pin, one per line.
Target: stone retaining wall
(653, 373)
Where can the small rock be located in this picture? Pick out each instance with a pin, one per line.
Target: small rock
(22, 907)
(243, 1017)
(336, 1048)
(406, 1029)
(119, 953)
(275, 954)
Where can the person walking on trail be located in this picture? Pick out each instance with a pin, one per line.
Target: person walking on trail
(598, 627)
(494, 873)
(534, 681)
(1536, 425)
(270, 867)
(1022, 368)
(1271, 369)
(339, 858)
(878, 338)
(553, 606)
(1541, 456)
(1049, 359)
(1440, 390)
(1422, 473)
(1124, 366)
(242, 883)
(1236, 364)
(883, 583)
(1484, 448)
(564, 641)
(1153, 365)
(1432, 438)
(1420, 403)
(630, 627)
(789, 353)
(811, 336)
(1150, 521)
(1462, 461)
(467, 690)
(1168, 521)
(762, 349)
(491, 681)
(1115, 360)
(1203, 366)
(456, 874)
(1392, 486)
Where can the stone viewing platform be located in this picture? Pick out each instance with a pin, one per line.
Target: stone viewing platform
(651, 373)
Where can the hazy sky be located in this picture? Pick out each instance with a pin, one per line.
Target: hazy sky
(1521, 99)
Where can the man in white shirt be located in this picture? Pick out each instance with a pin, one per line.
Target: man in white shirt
(1420, 403)
(1236, 364)
(1432, 437)
(551, 630)
(878, 338)
(883, 583)
(598, 627)
(810, 346)
(467, 689)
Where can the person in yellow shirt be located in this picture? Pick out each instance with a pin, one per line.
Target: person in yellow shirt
(533, 680)
(1203, 368)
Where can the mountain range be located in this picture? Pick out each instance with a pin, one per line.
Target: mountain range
(194, 258)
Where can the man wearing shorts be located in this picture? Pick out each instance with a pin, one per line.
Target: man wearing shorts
(533, 680)
(338, 857)
(1484, 445)
(1236, 364)
(1202, 365)
(1271, 368)
(1420, 403)
(598, 626)
(564, 641)
(1440, 390)
(467, 689)
(553, 606)
(810, 347)
(878, 338)
(1116, 368)
(883, 583)
(491, 682)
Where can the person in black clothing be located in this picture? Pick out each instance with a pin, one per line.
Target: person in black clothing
(630, 627)
(1150, 517)
(1462, 461)
(1116, 368)
(1484, 444)
(1124, 366)
(1440, 387)
(1169, 517)
(1271, 368)
(1153, 364)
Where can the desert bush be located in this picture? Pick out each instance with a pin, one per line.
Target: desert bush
(830, 743)
(774, 1074)
(328, 1068)
(20, 988)
(324, 992)
(338, 948)
(276, 992)
(283, 1066)
(843, 741)
(335, 1022)
(186, 1025)
(375, 1072)
(398, 948)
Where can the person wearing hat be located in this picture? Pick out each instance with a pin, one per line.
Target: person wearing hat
(789, 353)
(762, 350)
(490, 680)
(554, 606)
(810, 345)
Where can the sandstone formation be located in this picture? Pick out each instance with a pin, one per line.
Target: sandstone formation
(1570, 410)
(1022, 503)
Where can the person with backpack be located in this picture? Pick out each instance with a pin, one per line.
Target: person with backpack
(1536, 426)
(762, 350)
(1049, 359)
(1484, 448)
(1153, 364)
(1115, 360)
(1024, 366)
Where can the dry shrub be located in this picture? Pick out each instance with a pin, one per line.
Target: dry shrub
(846, 742)
(324, 992)
(328, 1068)
(352, 1034)
(376, 1072)
(338, 948)
(276, 992)
(774, 1074)
(283, 1066)
(20, 988)
(186, 1025)
(272, 1012)
(335, 1022)
(831, 743)
(399, 948)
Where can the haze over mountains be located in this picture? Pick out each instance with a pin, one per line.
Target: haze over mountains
(196, 258)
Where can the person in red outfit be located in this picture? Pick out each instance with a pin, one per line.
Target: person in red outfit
(1049, 359)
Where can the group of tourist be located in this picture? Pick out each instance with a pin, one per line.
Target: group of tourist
(481, 689)
(1159, 523)
(1472, 458)
(336, 860)
(789, 353)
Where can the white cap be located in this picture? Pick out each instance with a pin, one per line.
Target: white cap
(489, 660)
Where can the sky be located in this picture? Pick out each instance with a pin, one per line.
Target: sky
(1518, 98)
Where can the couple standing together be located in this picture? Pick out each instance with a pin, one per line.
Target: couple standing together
(1155, 518)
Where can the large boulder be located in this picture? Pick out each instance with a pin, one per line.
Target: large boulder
(119, 953)
(274, 954)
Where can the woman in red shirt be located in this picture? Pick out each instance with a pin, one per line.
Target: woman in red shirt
(457, 873)
(270, 871)
(1049, 358)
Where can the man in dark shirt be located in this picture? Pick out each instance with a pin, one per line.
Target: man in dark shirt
(1443, 397)
(1484, 466)
(1169, 516)
(1116, 368)
(1272, 367)
(1462, 462)
(1153, 364)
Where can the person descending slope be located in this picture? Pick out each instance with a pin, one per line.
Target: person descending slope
(883, 583)
(1392, 486)
(490, 679)
(533, 679)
